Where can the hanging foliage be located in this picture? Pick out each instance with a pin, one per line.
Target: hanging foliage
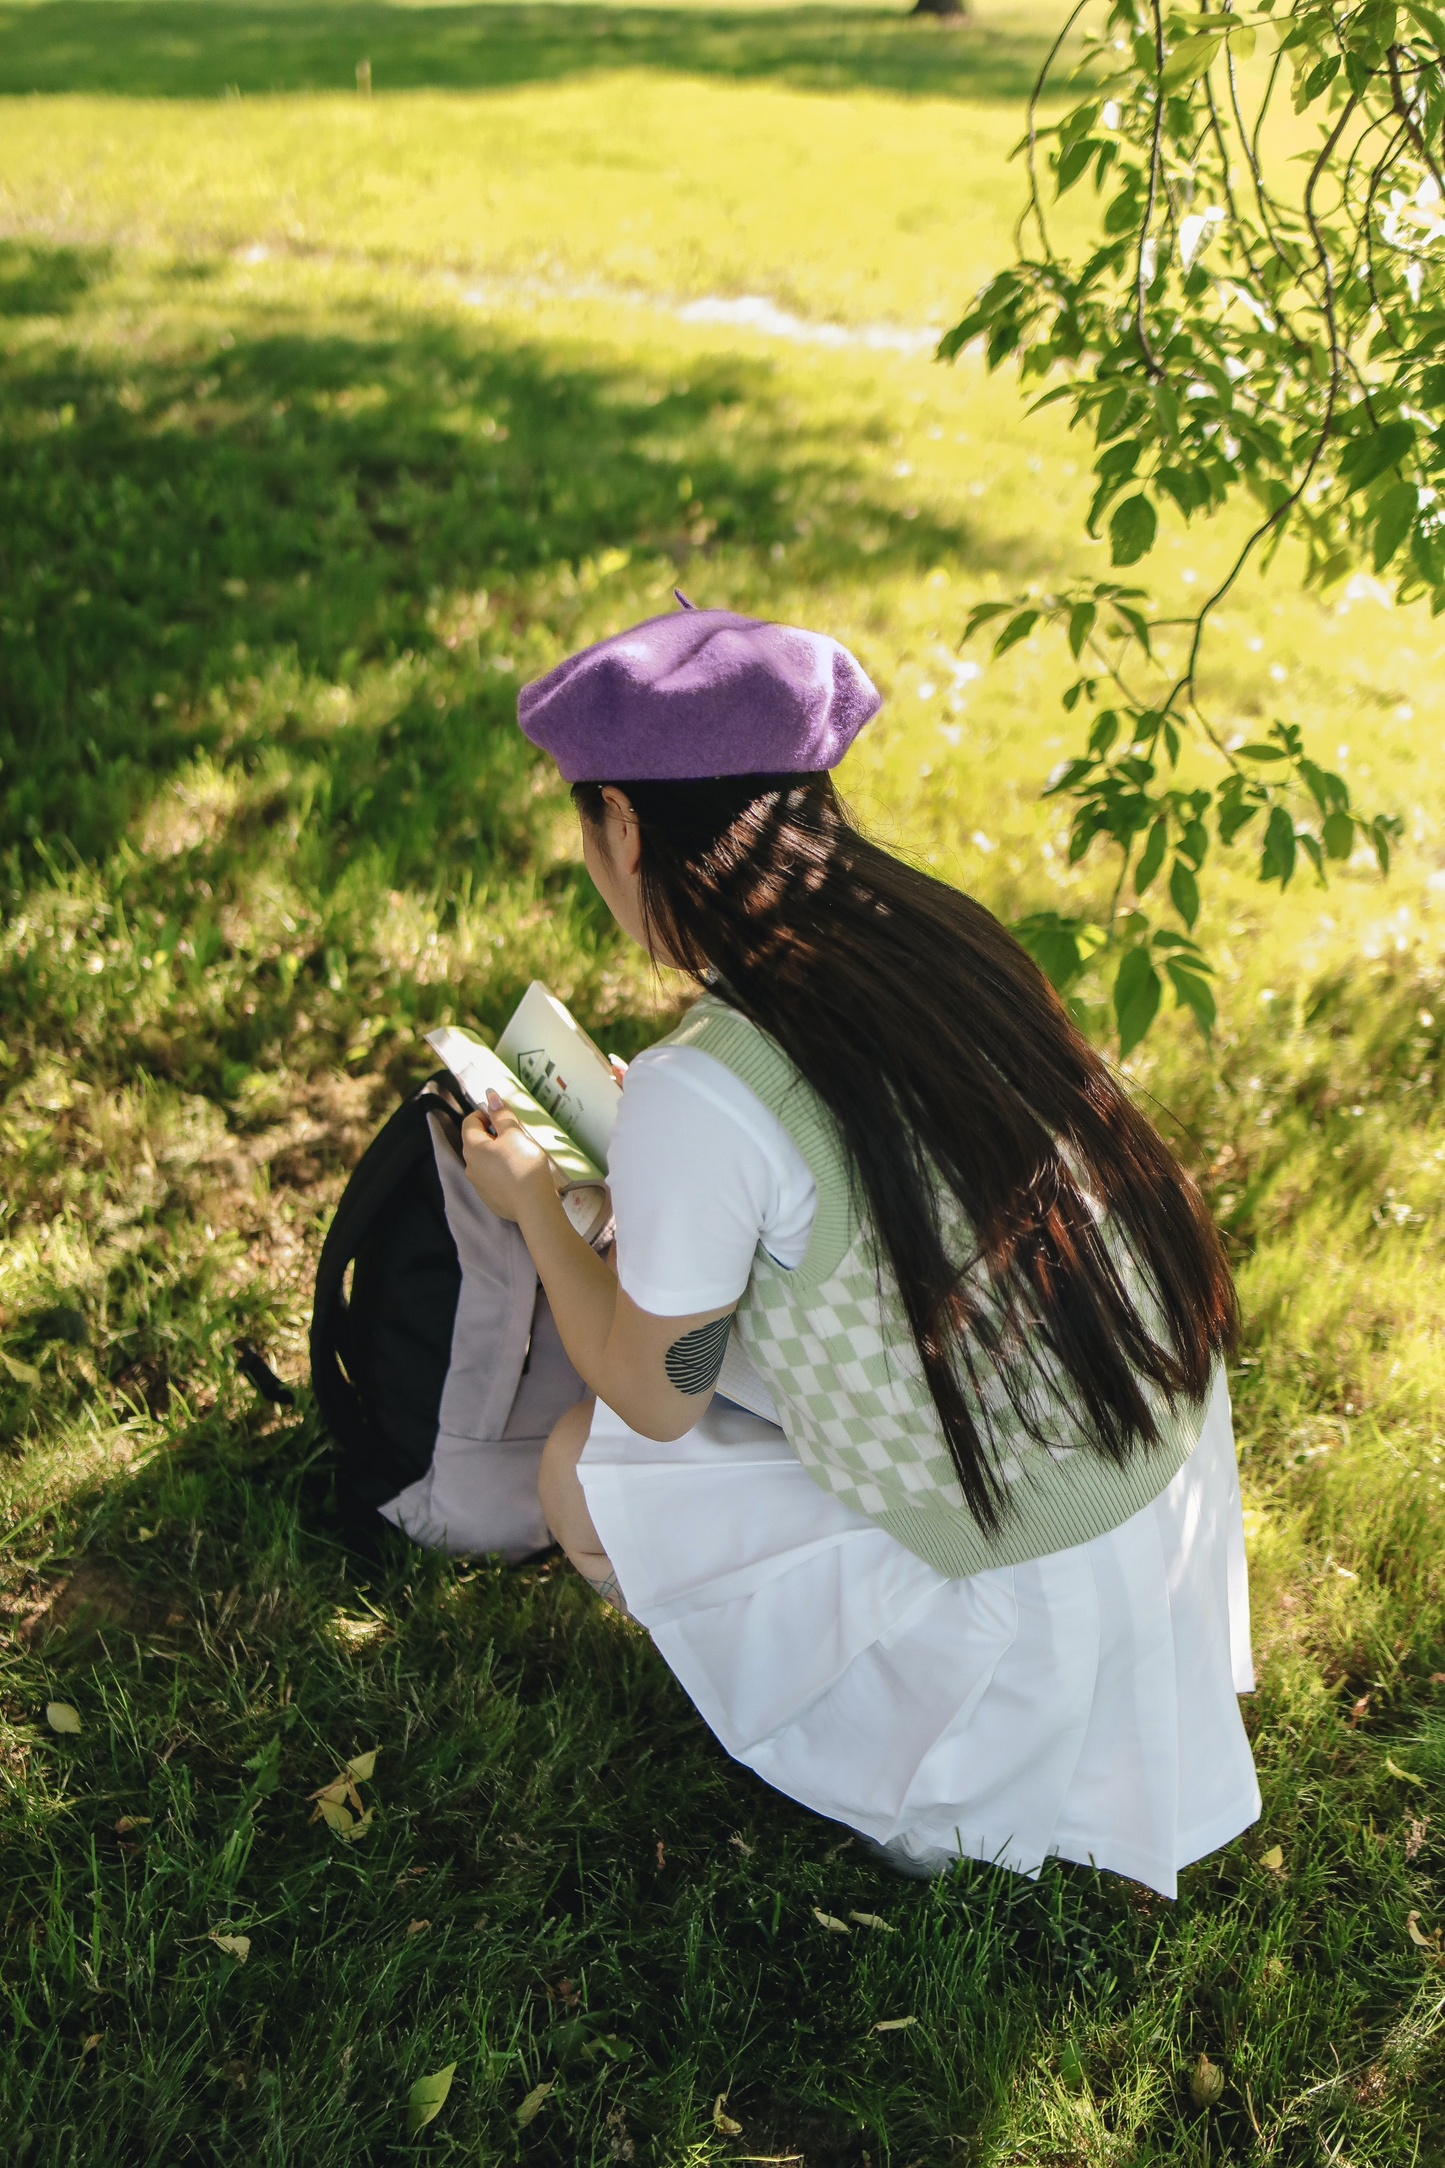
(1247, 324)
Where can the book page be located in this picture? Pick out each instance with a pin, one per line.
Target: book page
(563, 1069)
(478, 1070)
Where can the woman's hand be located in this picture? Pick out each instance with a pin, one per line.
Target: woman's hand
(657, 1372)
(504, 1166)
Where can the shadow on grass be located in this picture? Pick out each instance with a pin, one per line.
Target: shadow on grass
(36, 281)
(195, 549)
(171, 49)
(566, 1877)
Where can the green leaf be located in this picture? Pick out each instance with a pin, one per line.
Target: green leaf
(1327, 789)
(1186, 485)
(1104, 732)
(1055, 945)
(1276, 859)
(1132, 530)
(1066, 775)
(1339, 835)
(1432, 386)
(983, 613)
(1189, 59)
(533, 2101)
(1242, 41)
(1136, 998)
(1118, 461)
(1429, 21)
(1151, 858)
(612, 2045)
(1394, 519)
(1018, 628)
(1366, 457)
(427, 2098)
(1317, 81)
(1193, 993)
(1235, 812)
(1081, 624)
(1184, 892)
(1373, 26)
(266, 1763)
(1137, 624)
(1073, 162)
(1262, 752)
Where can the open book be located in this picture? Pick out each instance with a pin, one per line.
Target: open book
(565, 1093)
(558, 1083)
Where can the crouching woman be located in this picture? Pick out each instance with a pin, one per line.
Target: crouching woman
(910, 1441)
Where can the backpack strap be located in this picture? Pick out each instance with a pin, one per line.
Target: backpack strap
(392, 1153)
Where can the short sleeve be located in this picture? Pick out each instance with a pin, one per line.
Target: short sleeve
(700, 1173)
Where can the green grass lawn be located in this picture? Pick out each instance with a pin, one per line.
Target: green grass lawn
(323, 424)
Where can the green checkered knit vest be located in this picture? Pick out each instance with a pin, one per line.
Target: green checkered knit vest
(830, 1338)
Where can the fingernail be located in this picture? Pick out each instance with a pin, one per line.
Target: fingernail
(494, 1099)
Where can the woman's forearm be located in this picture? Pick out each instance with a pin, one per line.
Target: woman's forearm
(657, 1372)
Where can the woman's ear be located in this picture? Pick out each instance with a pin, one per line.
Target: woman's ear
(624, 835)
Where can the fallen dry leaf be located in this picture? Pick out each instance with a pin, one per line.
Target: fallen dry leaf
(1421, 1940)
(61, 1717)
(735, 1839)
(333, 1794)
(1408, 1774)
(237, 1946)
(359, 1828)
(1207, 2083)
(534, 2101)
(427, 2098)
(128, 1822)
(727, 2124)
(418, 1927)
(1273, 1859)
(334, 1815)
(409, 1874)
(91, 2040)
(834, 1927)
(23, 1373)
(872, 1919)
(894, 2024)
(360, 1766)
(661, 1854)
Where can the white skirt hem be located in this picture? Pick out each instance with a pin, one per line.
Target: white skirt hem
(1081, 1706)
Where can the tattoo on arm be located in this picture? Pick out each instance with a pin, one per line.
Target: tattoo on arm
(694, 1362)
(608, 1590)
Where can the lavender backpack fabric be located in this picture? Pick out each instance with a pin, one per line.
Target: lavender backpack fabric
(699, 693)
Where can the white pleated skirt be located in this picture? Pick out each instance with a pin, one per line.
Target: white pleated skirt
(1082, 1706)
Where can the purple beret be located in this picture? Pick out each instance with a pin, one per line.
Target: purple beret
(699, 693)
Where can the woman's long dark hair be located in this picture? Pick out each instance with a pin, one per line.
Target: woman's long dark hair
(950, 1066)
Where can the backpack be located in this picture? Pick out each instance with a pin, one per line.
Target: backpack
(440, 1371)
